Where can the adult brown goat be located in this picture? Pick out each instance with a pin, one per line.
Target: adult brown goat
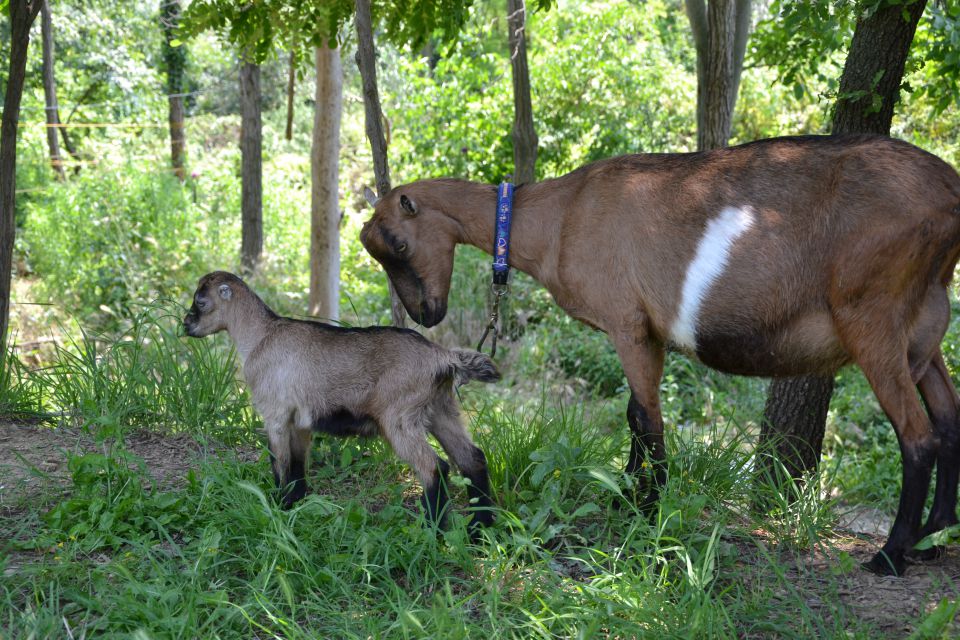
(309, 376)
(780, 257)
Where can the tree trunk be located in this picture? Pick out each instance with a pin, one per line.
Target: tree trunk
(720, 31)
(742, 21)
(251, 199)
(291, 85)
(50, 91)
(796, 409)
(524, 133)
(715, 77)
(22, 14)
(793, 423)
(881, 43)
(373, 119)
(175, 59)
(325, 201)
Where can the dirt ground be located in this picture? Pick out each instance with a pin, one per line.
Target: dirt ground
(28, 450)
(820, 577)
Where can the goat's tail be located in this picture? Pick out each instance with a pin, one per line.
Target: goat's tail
(472, 365)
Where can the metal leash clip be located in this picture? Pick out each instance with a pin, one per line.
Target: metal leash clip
(499, 290)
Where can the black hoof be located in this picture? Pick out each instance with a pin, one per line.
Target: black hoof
(434, 515)
(475, 527)
(883, 565)
(482, 517)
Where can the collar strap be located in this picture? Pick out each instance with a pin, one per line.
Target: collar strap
(501, 243)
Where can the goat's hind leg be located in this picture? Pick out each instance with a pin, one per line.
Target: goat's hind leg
(889, 376)
(408, 438)
(447, 427)
(943, 406)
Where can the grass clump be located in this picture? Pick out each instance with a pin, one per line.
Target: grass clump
(148, 377)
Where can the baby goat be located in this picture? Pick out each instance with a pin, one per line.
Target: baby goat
(308, 376)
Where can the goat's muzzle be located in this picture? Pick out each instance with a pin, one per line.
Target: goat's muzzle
(190, 323)
(431, 312)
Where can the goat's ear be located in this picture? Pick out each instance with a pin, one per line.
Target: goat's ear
(225, 291)
(408, 205)
(371, 197)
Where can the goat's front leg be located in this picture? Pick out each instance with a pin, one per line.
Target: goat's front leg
(301, 440)
(642, 359)
(279, 435)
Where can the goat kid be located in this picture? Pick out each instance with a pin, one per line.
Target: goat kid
(308, 376)
(780, 257)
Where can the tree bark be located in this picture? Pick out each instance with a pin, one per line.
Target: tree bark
(50, 91)
(714, 115)
(325, 200)
(720, 31)
(881, 43)
(524, 133)
(251, 199)
(742, 22)
(175, 59)
(22, 15)
(796, 408)
(793, 423)
(291, 85)
(373, 119)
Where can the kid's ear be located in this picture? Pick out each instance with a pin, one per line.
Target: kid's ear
(225, 291)
(370, 196)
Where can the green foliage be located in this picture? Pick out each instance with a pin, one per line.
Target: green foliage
(803, 41)
(410, 23)
(935, 55)
(605, 80)
(217, 557)
(260, 29)
(109, 241)
(110, 506)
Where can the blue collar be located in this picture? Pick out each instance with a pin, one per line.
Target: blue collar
(501, 243)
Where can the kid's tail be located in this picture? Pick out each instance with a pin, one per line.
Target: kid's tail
(472, 365)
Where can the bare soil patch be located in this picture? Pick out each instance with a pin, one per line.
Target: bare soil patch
(33, 459)
(829, 578)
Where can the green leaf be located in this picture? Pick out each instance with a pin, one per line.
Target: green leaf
(606, 479)
(798, 91)
(935, 625)
(584, 510)
(940, 538)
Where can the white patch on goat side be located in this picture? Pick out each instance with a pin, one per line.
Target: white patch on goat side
(706, 266)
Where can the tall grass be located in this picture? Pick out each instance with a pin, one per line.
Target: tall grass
(146, 377)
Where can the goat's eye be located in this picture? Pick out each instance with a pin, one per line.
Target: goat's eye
(401, 247)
